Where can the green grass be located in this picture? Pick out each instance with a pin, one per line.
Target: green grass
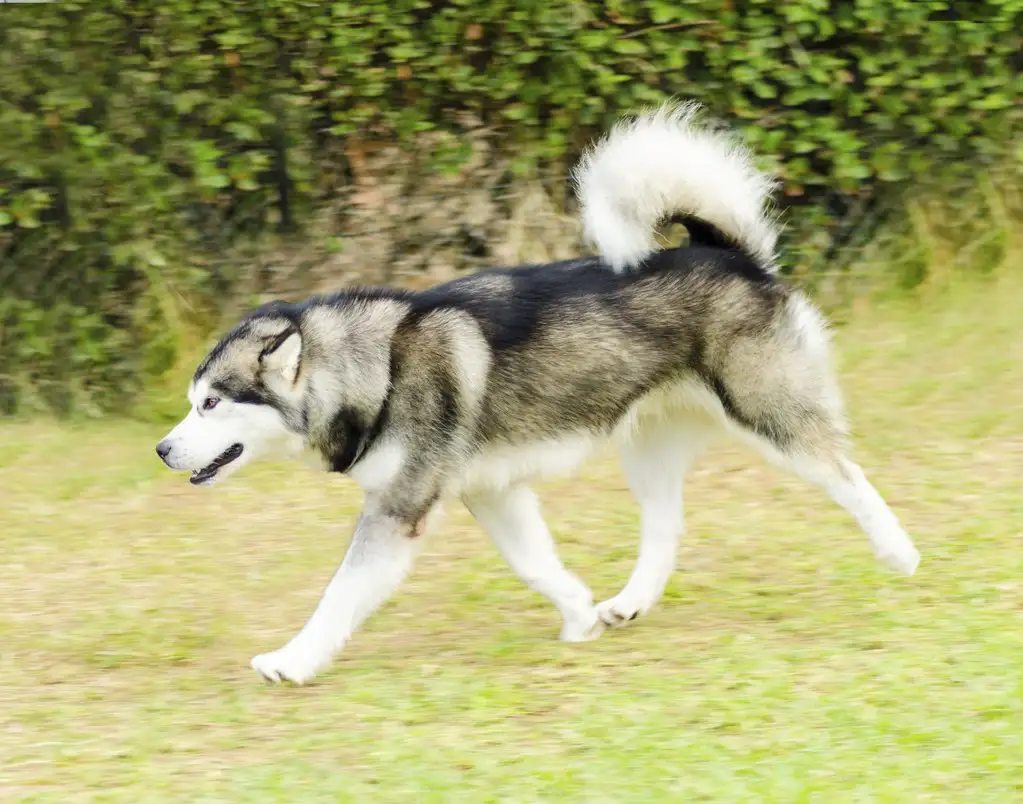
(783, 664)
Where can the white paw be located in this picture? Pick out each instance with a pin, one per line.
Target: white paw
(620, 610)
(286, 664)
(905, 558)
(582, 629)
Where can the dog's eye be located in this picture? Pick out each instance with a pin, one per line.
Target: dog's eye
(209, 403)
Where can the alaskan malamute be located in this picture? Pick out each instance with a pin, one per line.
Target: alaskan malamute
(475, 387)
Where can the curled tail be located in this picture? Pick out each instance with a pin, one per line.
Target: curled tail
(663, 165)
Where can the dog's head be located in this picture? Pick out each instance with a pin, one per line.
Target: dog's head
(246, 400)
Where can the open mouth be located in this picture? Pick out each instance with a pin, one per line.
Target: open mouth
(207, 473)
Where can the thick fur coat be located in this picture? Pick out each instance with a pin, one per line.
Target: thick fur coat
(475, 387)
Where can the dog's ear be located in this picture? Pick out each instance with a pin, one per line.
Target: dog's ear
(282, 354)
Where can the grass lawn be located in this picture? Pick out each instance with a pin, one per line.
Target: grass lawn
(784, 664)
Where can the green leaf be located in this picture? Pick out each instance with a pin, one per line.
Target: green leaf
(629, 47)
(516, 111)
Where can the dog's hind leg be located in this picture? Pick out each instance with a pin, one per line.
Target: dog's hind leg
(847, 485)
(780, 397)
(513, 519)
(655, 461)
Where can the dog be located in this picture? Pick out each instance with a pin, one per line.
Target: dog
(475, 387)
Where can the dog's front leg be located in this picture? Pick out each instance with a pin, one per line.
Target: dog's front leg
(381, 553)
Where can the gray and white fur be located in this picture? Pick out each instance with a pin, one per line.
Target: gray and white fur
(474, 388)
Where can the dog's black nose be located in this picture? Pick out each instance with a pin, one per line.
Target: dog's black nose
(163, 450)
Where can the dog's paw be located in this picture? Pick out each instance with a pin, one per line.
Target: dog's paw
(904, 559)
(582, 629)
(620, 610)
(285, 664)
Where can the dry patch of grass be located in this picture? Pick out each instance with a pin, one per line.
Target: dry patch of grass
(783, 664)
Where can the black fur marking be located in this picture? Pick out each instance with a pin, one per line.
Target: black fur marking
(765, 428)
(246, 393)
(447, 390)
(384, 414)
(509, 318)
(277, 341)
(729, 262)
(348, 440)
(374, 430)
(255, 393)
(702, 233)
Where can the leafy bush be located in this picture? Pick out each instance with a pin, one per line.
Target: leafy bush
(139, 138)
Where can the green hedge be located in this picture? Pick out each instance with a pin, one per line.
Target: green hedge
(136, 137)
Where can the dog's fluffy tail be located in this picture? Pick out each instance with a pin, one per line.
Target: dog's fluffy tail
(662, 165)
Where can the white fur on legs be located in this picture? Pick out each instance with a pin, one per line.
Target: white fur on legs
(849, 487)
(513, 519)
(380, 555)
(655, 462)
